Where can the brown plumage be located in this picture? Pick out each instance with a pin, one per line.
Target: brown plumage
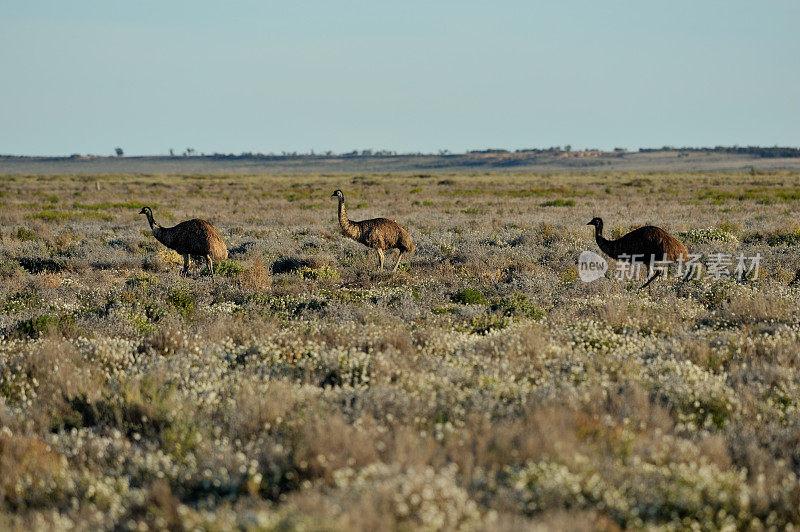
(195, 239)
(646, 244)
(379, 234)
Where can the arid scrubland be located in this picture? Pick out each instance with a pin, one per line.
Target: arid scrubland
(483, 386)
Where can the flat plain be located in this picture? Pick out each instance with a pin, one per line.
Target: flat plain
(483, 386)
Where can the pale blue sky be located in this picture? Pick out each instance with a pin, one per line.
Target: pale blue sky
(234, 76)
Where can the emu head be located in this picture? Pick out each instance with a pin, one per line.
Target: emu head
(338, 194)
(148, 212)
(597, 222)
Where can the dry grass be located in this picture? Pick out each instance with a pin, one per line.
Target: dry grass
(483, 386)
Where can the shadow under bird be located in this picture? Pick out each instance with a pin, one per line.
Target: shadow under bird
(379, 234)
(196, 239)
(646, 244)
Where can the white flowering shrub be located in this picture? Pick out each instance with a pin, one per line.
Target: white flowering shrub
(672, 496)
(705, 236)
(419, 497)
(699, 397)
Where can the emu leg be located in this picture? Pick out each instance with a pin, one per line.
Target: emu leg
(396, 264)
(380, 259)
(210, 265)
(651, 280)
(185, 270)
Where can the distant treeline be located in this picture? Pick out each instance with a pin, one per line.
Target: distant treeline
(758, 151)
(554, 150)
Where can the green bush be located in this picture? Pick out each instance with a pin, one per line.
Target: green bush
(518, 305)
(781, 239)
(26, 235)
(148, 246)
(487, 322)
(316, 274)
(145, 320)
(19, 301)
(559, 203)
(469, 296)
(776, 238)
(141, 280)
(143, 326)
(10, 268)
(229, 268)
(183, 300)
(45, 323)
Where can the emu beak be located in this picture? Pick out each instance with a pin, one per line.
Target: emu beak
(333, 195)
(590, 223)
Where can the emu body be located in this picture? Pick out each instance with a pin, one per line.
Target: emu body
(647, 244)
(195, 239)
(379, 234)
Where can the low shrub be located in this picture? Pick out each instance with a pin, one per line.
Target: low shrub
(229, 268)
(559, 202)
(518, 305)
(182, 300)
(24, 234)
(469, 296)
(46, 323)
(10, 268)
(316, 274)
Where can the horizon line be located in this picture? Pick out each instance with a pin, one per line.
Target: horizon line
(567, 148)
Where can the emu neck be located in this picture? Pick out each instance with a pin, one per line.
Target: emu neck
(606, 246)
(348, 227)
(158, 231)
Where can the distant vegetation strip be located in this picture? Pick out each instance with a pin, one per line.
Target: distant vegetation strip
(553, 151)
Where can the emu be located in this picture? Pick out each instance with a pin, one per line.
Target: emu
(195, 238)
(379, 234)
(646, 243)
